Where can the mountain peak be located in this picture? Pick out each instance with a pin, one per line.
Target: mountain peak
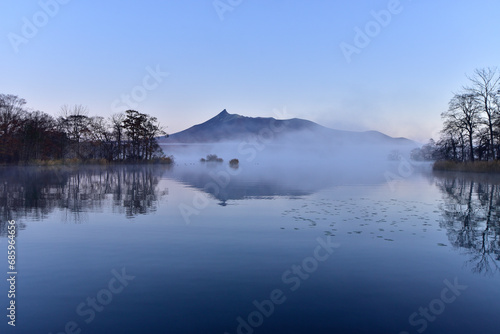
(224, 116)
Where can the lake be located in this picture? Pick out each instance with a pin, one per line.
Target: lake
(204, 248)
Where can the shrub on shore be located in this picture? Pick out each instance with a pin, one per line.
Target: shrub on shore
(76, 162)
(473, 167)
(163, 160)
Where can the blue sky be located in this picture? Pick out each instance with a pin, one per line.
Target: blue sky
(251, 57)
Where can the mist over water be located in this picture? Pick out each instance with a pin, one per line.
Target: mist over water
(302, 148)
(289, 165)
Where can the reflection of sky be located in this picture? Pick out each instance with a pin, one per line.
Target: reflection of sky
(264, 55)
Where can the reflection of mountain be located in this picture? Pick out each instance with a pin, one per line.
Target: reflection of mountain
(230, 127)
(226, 188)
(265, 181)
(35, 192)
(471, 216)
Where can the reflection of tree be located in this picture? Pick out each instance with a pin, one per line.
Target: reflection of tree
(35, 192)
(471, 216)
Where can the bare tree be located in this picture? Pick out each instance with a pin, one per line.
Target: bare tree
(39, 137)
(101, 138)
(463, 114)
(76, 124)
(152, 130)
(483, 143)
(496, 105)
(452, 139)
(485, 84)
(10, 105)
(11, 120)
(118, 134)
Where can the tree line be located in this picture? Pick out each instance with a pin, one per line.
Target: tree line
(27, 135)
(471, 125)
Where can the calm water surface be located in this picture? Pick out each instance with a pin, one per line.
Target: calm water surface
(193, 249)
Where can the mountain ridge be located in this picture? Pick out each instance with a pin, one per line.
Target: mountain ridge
(229, 127)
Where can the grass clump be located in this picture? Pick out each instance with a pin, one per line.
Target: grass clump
(471, 167)
(77, 162)
(163, 160)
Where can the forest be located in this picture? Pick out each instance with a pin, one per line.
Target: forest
(28, 136)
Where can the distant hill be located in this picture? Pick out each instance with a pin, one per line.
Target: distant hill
(232, 127)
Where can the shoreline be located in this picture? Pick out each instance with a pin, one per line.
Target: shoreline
(489, 167)
(102, 162)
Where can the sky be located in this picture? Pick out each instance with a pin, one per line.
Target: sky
(384, 65)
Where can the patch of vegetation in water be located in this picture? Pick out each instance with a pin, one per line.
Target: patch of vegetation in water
(211, 158)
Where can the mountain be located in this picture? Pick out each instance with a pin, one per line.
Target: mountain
(232, 127)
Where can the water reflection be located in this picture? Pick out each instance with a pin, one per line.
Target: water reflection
(269, 181)
(35, 192)
(225, 186)
(471, 217)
